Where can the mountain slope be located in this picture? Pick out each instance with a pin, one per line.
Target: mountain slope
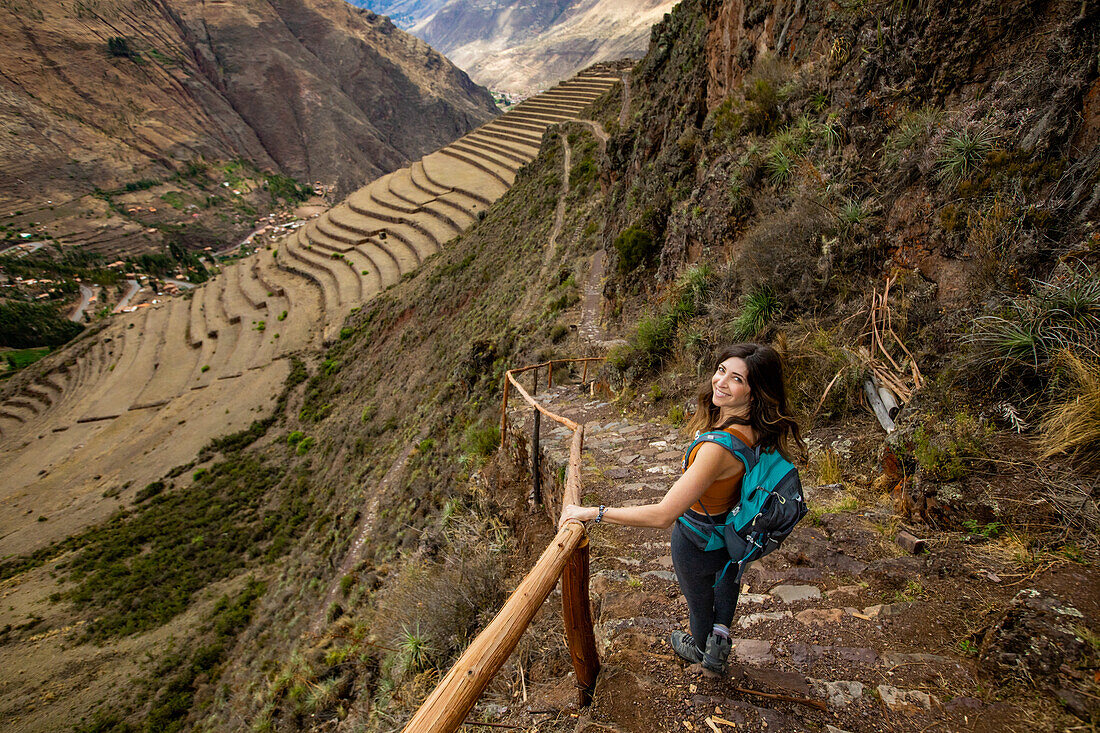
(98, 95)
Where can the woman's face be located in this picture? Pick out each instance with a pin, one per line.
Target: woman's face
(730, 387)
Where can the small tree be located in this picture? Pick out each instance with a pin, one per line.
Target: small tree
(119, 46)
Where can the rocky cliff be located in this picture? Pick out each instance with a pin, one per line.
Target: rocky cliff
(98, 95)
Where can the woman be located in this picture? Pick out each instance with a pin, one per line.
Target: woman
(746, 398)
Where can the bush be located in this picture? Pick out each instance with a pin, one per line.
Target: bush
(481, 440)
(27, 325)
(119, 47)
(635, 247)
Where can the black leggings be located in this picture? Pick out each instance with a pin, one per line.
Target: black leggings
(696, 569)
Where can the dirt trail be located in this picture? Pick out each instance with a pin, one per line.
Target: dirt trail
(555, 232)
(816, 619)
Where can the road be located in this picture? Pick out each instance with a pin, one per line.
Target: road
(135, 286)
(179, 283)
(86, 295)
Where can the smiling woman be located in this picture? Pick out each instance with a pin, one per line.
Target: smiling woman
(746, 398)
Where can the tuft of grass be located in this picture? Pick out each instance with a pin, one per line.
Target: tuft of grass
(835, 506)
(828, 468)
(964, 152)
(759, 310)
(913, 129)
(1073, 425)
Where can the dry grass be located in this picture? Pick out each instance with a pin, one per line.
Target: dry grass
(1073, 427)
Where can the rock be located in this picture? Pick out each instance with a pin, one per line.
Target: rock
(795, 593)
(665, 561)
(894, 659)
(1035, 639)
(792, 682)
(752, 598)
(660, 575)
(851, 590)
(754, 618)
(886, 610)
(628, 458)
(839, 693)
(668, 455)
(616, 473)
(753, 651)
(903, 701)
(833, 729)
(820, 616)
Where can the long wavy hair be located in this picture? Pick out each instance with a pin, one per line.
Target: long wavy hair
(769, 415)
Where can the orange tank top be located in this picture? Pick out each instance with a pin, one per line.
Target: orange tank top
(723, 494)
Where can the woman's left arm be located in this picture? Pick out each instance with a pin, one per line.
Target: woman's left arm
(711, 461)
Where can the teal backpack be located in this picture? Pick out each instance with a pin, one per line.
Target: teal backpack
(771, 504)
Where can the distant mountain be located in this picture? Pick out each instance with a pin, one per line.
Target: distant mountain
(405, 13)
(100, 95)
(524, 45)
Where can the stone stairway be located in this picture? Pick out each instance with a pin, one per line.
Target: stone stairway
(827, 617)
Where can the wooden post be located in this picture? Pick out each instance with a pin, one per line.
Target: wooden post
(577, 616)
(584, 375)
(536, 475)
(504, 413)
(456, 695)
(550, 374)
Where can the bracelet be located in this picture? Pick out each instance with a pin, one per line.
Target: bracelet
(599, 517)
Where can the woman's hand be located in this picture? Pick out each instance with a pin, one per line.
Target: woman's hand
(580, 513)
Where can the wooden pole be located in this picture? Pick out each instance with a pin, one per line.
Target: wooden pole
(504, 412)
(584, 375)
(456, 695)
(550, 374)
(577, 617)
(536, 475)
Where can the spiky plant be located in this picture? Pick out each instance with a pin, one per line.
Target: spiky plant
(413, 649)
(853, 213)
(964, 152)
(1030, 331)
(759, 309)
(779, 166)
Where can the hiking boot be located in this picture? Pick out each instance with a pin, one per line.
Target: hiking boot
(685, 647)
(716, 654)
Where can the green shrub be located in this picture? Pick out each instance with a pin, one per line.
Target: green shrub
(304, 445)
(295, 437)
(119, 47)
(481, 440)
(948, 450)
(28, 325)
(635, 246)
(150, 490)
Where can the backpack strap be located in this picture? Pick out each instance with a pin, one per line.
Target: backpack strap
(732, 443)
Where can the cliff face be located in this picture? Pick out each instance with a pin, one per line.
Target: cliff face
(98, 95)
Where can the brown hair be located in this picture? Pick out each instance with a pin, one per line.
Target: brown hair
(769, 415)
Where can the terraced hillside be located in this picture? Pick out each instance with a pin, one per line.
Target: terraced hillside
(121, 406)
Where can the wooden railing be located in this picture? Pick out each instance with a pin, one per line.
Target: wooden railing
(566, 557)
